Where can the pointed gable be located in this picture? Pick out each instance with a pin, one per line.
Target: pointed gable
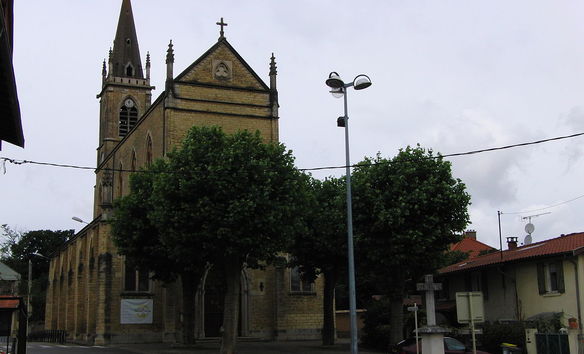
(221, 65)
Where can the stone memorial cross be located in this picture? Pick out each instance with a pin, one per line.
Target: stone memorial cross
(429, 286)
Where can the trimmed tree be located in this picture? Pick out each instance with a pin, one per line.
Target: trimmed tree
(141, 240)
(322, 248)
(408, 210)
(229, 200)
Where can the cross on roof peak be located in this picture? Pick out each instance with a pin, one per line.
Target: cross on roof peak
(222, 24)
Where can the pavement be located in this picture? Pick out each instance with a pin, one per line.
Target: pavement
(243, 347)
(300, 347)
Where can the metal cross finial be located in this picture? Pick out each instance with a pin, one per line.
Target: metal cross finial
(221, 33)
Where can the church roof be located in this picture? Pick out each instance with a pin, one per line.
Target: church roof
(126, 50)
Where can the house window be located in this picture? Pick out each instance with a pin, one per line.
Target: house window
(128, 117)
(136, 279)
(550, 277)
(299, 285)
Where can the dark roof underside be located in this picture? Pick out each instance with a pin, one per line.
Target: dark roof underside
(10, 124)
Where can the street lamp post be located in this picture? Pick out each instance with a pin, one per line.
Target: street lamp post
(340, 88)
(80, 220)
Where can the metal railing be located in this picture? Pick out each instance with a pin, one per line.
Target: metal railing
(49, 336)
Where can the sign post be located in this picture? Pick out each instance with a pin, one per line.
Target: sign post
(470, 309)
(414, 309)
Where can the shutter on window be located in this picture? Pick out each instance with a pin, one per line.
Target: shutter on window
(561, 286)
(541, 278)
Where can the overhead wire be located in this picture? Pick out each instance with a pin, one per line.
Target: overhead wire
(544, 208)
(472, 152)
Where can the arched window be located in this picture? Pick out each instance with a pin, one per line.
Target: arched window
(149, 151)
(134, 160)
(128, 117)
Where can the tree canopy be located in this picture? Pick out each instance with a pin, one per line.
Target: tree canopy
(225, 200)
(19, 247)
(408, 210)
(322, 249)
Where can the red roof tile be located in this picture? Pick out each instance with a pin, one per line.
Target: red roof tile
(9, 302)
(471, 246)
(555, 246)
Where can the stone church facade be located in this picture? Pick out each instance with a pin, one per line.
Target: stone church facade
(92, 294)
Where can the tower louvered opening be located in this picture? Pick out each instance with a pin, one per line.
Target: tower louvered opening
(128, 119)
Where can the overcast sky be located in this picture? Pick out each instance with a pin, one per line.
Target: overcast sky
(453, 76)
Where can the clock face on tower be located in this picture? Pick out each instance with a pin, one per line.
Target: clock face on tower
(129, 103)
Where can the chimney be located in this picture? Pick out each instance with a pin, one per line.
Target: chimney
(470, 234)
(511, 243)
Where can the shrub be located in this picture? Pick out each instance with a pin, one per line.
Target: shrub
(494, 334)
(376, 325)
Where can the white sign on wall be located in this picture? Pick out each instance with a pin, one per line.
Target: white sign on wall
(136, 311)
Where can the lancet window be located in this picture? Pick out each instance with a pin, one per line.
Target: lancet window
(128, 117)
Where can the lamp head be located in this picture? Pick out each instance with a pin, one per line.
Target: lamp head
(337, 92)
(334, 81)
(361, 82)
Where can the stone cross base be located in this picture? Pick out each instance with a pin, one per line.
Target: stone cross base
(432, 339)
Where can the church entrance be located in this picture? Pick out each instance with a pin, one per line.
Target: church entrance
(213, 297)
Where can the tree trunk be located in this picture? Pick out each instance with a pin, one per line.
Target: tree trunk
(231, 308)
(396, 298)
(190, 282)
(328, 308)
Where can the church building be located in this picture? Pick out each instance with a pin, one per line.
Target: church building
(92, 294)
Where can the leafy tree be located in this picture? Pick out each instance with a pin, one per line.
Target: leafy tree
(322, 249)
(229, 200)
(408, 210)
(240, 196)
(142, 242)
(18, 248)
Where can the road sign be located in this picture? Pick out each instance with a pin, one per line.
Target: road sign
(469, 307)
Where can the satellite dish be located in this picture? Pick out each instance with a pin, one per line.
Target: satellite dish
(528, 240)
(529, 228)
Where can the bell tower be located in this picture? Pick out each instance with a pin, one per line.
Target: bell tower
(126, 92)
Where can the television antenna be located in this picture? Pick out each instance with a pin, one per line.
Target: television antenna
(529, 227)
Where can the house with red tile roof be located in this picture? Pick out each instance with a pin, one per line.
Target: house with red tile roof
(469, 244)
(523, 282)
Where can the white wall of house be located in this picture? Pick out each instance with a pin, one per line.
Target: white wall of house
(531, 302)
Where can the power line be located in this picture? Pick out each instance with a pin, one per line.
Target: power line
(472, 152)
(545, 208)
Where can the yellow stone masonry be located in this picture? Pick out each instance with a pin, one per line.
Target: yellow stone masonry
(86, 280)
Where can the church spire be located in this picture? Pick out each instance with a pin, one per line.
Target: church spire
(126, 53)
